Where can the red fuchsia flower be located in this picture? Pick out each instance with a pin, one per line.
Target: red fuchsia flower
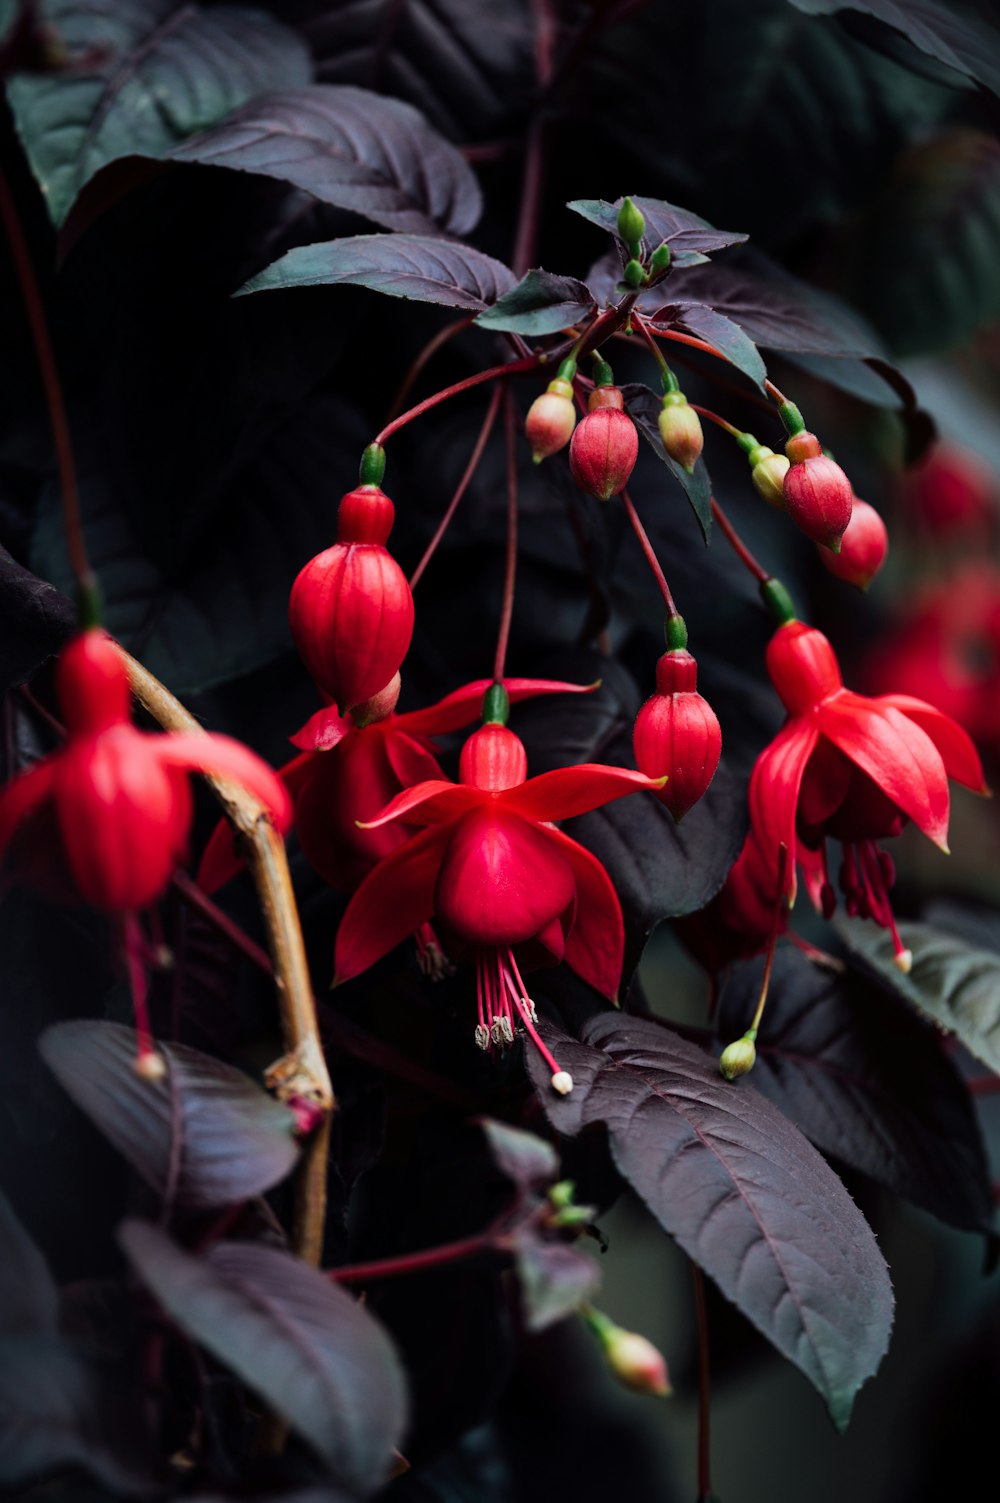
(677, 733)
(348, 772)
(351, 610)
(605, 445)
(952, 494)
(851, 768)
(864, 548)
(106, 819)
(498, 880)
(818, 495)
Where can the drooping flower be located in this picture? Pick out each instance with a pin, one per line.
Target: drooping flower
(605, 445)
(105, 819)
(851, 768)
(680, 430)
(348, 772)
(864, 548)
(495, 876)
(677, 733)
(551, 419)
(818, 495)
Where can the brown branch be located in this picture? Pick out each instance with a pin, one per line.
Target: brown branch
(302, 1070)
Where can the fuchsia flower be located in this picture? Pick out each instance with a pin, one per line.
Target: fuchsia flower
(349, 772)
(106, 819)
(851, 768)
(498, 879)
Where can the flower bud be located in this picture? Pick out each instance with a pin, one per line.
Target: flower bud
(818, 495)
(677, 733)
(350, 610)
(551, 419)
(604, 448)
(863, 548)
(768, 471)
(633, 1359)
(631, 224)
(680, 430)
(738, 1058)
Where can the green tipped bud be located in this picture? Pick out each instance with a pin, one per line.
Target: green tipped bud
(372, 469)
(768, 471)
(631, 225)
(680, 430)
(633, 1359)
(635, 273)
(496, 705)
(551, 419)
(660, 259)
(738, 1058)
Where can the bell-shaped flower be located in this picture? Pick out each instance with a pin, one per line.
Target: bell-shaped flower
(105, 819)
(498, 879)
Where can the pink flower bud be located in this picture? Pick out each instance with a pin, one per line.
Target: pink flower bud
(818, 495)
(680, 430)
(551, 419)
(768, 471)
(863, 548)
(677, 733)
(636, 1362)
(604, 450)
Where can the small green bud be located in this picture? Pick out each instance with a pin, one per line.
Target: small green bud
(635, 273)
(631, 224)
(738, 1058)
(660, 259)
(561, 1194)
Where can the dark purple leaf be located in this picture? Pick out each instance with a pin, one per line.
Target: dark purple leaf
(29, 1300)
(554, 1279)
(311, 1351)
(35, 621)
(866, 1082)
(58, 1413)
(409, 266)
(707, 323)
(204, 1136)
(953, 984)
(742, 1191)
(644, 406)
(528, 1162)
(541, 303)
(687, 234)
(347, 147)
(158, 72)
(962, 40)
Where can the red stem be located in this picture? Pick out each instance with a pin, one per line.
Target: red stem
(430, 349)
(737, 544)
(35, 311)
(510, 565)
(713, 417)
(651, 557)
(704, 1390)
(132, 949)
(495, 373)
(434, 1257)
(470, 469)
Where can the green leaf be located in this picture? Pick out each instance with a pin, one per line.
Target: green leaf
(541, 303)
(950, 982)
(163, 72)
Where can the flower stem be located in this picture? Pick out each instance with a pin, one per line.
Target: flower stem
(704, 1390)
(434, 1257)
(470, 469)
(426, 355)
(737, 544)
(302, 1071)
(510, 564)
(495, 373)
(713, 417)
(647, 549)
(35, 311)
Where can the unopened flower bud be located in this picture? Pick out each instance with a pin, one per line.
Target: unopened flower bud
(633, 1359)
(551, 419)
(634, 273)
(605, 446)
(768, 471)
(680, 430)
(677, 733)
(863, 548)
(493, 758)
(818, 495)
(660, 259)
(738, 1058)
(631, 224)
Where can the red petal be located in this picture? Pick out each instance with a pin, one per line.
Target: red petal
(569, 791)
(323, 730)
(224, 757)
(464, 705)
(595, 945)
(958, 752)
(503, 880)
(430, 803)
(411, 762)
(221, 861)
(895, 753)
(392, 902)
(22, 796)
(774, 794)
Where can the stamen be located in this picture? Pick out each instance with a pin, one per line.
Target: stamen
(875, 879)
(562, 1080)
(149, 1063)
